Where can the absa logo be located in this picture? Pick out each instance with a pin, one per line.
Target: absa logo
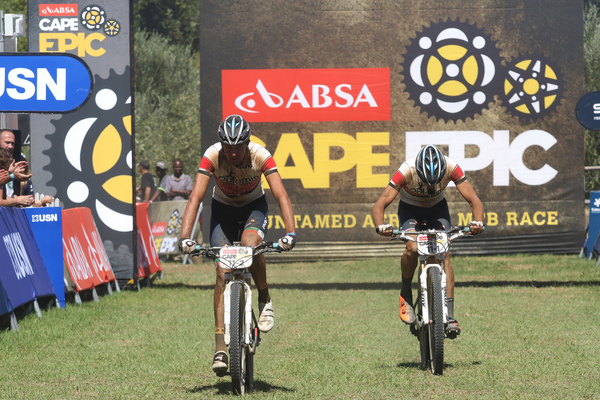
(59, 10)
(293, 95)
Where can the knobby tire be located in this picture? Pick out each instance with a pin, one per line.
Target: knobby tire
(436, 325)
(237, 349)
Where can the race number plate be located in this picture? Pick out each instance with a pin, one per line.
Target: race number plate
(235, 257)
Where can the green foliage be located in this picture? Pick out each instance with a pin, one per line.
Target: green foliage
(591, 55)
(177, 20)
(167, 102)
(17, 7)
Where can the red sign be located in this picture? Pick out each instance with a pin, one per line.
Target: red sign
(59, 10)
(294, 95)
(158, 228)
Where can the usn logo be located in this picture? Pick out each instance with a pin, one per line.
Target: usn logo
(453, 70)
(44, 218)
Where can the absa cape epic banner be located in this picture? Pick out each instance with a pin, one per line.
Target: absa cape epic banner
(85, 157)
(342, 93)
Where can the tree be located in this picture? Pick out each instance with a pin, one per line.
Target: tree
(167, 102)
(177, 20)
(591, 57)
(17, 7)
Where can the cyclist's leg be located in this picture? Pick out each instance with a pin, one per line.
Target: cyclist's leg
(408, 263)
(255, 230)
(221, 233)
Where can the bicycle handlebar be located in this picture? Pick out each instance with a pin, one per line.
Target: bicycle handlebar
(454, 232)
(213, 252)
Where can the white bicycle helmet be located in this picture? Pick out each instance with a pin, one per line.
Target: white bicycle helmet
(234, 130)
(430, 165)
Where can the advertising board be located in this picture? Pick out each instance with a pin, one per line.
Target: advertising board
(494, 86)
(85, 158)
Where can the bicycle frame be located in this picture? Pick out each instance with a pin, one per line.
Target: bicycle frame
(432, 247)
(238, 259)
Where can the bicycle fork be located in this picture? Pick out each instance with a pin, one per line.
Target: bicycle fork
(250, 339)
(423, 295)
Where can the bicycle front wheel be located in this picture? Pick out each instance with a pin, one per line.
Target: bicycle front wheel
(237, 348)
(436, 323)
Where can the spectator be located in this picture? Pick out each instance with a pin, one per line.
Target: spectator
(17, 168)
(161, 173)
(179, 185)
(148, 181)
(6, 159)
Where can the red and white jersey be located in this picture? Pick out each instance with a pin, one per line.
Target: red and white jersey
(414, 191)
(237, 185)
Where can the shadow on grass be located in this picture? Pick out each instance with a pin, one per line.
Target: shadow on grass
(225, 388)
(390, 285)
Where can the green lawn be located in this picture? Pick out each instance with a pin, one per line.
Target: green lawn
(531, 330)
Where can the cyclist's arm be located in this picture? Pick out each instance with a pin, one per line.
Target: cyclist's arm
(191, 209)
(468, 193)
(285, 205)
(386, 198)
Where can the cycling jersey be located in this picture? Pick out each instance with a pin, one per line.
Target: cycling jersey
(237, 185)
(414, 191)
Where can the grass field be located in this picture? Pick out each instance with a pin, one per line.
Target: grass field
(531, 330)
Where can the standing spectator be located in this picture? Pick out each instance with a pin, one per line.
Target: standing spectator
(179, 185)
(6, 159)
(17, 168)
(161, 173)
(148, 181)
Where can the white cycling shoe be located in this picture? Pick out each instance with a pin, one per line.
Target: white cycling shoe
(266, 320)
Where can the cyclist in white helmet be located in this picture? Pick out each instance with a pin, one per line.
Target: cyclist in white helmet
(421, 181)
(238, 205)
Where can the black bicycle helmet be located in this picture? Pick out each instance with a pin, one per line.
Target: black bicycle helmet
(234, 130)
(431, 165)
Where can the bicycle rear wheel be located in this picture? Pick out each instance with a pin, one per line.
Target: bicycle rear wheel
(237, 348)
(436, 325)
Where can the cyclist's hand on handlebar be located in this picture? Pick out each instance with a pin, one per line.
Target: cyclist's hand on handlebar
(476, 227)
(186, 246)
(385, 230)
(287, 242)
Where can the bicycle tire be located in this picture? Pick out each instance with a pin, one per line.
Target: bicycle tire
(436, 325)
(237, 348)
(423, 336)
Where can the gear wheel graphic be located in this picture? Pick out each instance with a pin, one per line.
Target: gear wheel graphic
(533, 87)
(93, 17)
(92, 149)
(451, 70)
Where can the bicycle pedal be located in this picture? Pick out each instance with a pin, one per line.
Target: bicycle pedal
(222, 374)
(414, 331)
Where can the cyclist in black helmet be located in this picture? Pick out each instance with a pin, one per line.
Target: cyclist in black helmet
(422, 181)
(238, 204)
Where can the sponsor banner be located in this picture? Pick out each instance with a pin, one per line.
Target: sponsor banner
(46, 225)
(148, 262)
(43, 83)
(84, 158)
(83, 271)
(282, 95)
(594, 222)
(95, 248)
(494, 88)
(165, 219)
(22, 270)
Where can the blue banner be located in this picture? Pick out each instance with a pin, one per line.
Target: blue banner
(46, 226)
(4, 306)
(15, 265)
(594, 224)
(38, 82)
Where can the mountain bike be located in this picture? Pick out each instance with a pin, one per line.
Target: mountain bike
(241, 326)
(431, 303)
